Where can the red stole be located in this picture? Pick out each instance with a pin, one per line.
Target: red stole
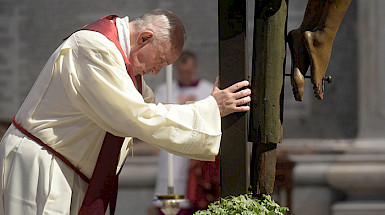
(103, 187)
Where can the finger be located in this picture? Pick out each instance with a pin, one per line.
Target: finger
(243, 101)
(216, 84)
(238, 86)
(241, 109)
(242, 93)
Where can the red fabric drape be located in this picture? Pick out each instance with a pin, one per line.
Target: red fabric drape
(103, 188)
(203, 183)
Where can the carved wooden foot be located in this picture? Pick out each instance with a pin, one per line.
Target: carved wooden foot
(319, 46)
(319, 42)
(299, 62)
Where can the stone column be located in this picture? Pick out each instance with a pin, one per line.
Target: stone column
(371, 55)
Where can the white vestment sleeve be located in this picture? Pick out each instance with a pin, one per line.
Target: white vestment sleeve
(96, 81)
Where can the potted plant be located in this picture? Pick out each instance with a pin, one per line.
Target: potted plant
(245, 204)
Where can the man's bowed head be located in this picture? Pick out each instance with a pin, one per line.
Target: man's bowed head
(157, 40)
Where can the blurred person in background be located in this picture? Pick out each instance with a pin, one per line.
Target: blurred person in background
(189, 175)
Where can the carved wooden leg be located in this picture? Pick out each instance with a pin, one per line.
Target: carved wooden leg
(319, 42)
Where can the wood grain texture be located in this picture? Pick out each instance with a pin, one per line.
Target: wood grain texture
(232, 64)
(266, 118)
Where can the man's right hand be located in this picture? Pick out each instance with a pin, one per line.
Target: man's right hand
(230, 101)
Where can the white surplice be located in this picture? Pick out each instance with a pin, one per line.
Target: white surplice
(181, 164)
(82, 92)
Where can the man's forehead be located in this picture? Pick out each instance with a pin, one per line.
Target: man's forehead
(171, 56)
(168, 52)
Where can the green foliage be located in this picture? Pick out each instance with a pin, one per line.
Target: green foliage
(244, 205)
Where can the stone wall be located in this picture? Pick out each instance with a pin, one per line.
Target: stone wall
(353, 107)
(31, 30)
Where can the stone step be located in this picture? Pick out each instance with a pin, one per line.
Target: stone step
(359, 208)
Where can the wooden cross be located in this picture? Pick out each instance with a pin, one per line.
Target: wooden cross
(266, 115)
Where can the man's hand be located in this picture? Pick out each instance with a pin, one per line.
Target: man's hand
(230, 101)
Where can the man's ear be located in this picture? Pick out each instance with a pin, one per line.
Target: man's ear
(145, 37)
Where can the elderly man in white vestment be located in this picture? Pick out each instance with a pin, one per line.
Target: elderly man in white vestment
(83, 92)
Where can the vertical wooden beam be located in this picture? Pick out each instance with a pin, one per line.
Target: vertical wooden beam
(232, 68)
(265, 129)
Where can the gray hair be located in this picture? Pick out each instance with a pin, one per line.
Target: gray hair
(162, 22)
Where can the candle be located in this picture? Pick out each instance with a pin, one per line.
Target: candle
(170, 159)
(170, 173)
(169, 83)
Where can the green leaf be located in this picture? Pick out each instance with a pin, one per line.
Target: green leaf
(244, 204)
